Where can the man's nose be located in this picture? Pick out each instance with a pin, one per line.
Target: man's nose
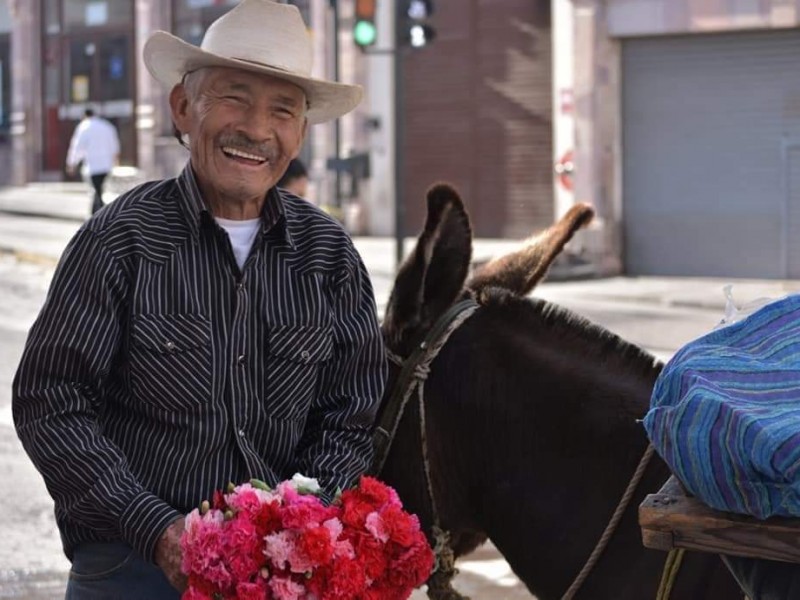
(260, 125)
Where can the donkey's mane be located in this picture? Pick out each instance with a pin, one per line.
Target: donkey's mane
(566, 324)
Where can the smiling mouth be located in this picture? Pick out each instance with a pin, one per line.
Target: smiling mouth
(244, 156)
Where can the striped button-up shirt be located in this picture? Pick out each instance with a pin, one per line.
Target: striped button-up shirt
(158, 371)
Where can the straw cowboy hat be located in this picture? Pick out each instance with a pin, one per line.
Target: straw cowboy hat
(260, 36)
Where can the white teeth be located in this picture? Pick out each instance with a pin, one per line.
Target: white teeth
(236, 152)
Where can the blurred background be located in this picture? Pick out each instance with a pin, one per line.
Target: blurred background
(679, 120)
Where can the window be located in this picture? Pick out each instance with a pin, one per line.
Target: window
(192, 17)
(86, 14)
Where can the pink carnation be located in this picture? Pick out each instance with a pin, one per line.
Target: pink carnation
(306, 514)
(374, 524)
(278, 548)
(202, 541)
(284, 588)
(284, 545)
(248, 499)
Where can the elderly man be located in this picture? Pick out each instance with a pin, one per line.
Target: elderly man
(202, 329)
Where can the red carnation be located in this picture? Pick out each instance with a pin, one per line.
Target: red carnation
(253, 591)
(346, 582)
(268, 519)
(374, 491)
(354, 509)
(201, 585)
(316, 544)
(400, 525)
(413, 566)
(218, 501)
(372, 554)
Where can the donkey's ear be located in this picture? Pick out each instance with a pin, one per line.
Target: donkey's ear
(433, 275)
(520, 271)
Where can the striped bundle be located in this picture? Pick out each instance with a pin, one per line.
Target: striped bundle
(725, 414)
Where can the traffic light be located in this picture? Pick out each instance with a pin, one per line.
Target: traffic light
(365, 33)
(416, 30)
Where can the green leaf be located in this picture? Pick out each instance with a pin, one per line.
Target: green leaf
(260, 485)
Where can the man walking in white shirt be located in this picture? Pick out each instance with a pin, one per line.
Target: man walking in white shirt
(96, 143)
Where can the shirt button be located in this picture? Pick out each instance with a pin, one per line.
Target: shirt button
(305, 355)
(240, 287)
(170, 346)
(241, 433)
(240, 359)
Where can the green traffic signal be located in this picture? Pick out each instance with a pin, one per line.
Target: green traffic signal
(365, 33)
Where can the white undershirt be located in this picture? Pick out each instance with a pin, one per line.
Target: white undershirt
(241, 234)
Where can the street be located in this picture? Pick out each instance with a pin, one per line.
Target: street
(31, 563)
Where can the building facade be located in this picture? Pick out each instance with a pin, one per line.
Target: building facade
(475, 105)
(67, 55)
(684, 122)
(477, 112)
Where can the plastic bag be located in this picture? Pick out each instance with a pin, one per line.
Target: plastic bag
(734, 313)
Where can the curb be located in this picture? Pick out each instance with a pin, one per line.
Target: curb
(29, 257)
(33, 214)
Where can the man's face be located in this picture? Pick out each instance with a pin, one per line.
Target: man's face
(243, 130)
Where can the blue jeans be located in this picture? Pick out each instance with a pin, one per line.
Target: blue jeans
(115, 571)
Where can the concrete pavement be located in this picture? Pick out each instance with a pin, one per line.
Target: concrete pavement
(27, 236)
(37, 221)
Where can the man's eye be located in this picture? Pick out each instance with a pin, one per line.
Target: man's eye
(234, 98)
(284, 113)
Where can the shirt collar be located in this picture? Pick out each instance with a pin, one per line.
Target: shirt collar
(273, 213)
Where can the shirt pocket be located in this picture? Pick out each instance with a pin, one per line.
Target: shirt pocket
(296, 355)
(171, 360)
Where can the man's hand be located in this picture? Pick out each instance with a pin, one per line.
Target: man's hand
(168, 554)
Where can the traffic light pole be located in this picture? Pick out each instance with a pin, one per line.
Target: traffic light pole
(410, 27)
(337, 127)
(397, 52)
(399, 151)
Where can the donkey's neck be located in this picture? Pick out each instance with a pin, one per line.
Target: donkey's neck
(551, 403)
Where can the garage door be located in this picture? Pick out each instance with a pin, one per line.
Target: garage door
(711, 155)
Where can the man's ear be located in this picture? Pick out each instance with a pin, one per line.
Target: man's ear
(302, 138)
(179, 106)
(304, 132)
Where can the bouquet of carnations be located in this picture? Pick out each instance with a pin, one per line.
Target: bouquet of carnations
(285, 544)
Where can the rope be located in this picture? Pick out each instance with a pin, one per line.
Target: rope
(611, 527)
(415, 370)
(670, 573)
(421, 373)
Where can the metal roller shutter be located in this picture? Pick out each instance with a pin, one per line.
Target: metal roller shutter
(711, 155)
(478, 114)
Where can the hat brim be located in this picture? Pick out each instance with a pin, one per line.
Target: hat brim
(168, 58)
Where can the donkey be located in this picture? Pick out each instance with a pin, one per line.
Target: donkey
(529, 421)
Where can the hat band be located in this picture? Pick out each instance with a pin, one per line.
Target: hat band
(268, 66)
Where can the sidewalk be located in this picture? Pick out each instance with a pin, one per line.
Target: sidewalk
(26, 235)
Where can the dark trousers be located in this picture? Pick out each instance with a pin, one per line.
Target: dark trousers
(97, 184)
(765, 579)
(105, 571)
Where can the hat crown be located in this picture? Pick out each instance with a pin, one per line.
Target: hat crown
(262, 32)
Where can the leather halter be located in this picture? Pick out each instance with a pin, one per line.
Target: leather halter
(421, 357)
(414, 372)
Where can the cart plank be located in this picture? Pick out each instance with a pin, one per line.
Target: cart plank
(673, 519)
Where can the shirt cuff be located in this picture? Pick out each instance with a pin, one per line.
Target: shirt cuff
(143, 522)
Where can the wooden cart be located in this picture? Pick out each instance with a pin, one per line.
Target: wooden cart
(672, 519)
